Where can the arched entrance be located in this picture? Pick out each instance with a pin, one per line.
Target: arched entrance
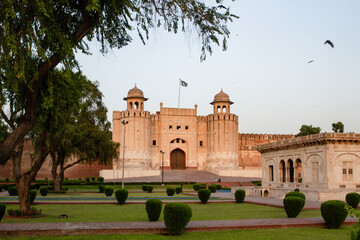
(177, 159)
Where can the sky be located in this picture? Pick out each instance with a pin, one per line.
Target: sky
(265, 70)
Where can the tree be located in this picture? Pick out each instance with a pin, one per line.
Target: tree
(308, 130)
(338, 127)
(38, 35)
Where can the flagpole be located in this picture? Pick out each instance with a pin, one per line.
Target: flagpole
(179, 94)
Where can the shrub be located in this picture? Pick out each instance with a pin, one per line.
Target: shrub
(176, 217)
(1, 188)
(87, 179)
(121, 196)
(218, 186)
(46, 179)
(33, 194)
(296, 194)
(101, 188)
(108, 191)
(196, 186)
(144, 188)
(2, 210)
(178, 190)
(150, 188)
(353, 199)
(37, 186)
(44, 191)
(170, 191)
(7, 179)
(240, 195)
(204, 195)
(12, 191)
(226, 188)
(79, 178)
(100, 179)
(202, 186)
(153, 209)
(293, 206)
(212, 188)
(32, 212)
(92, 178)
(334, 213)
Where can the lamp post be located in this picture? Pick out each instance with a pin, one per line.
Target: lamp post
(162, 167)
(123, 159)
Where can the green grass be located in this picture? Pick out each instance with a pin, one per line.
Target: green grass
(258, 234)
(136, 212)
(129, 187)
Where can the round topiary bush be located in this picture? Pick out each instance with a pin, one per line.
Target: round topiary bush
(101, 188)
(33, 194)
(212, 188)
(100, 179)
(204, 195)
(87, 179)
(296, 194)
(44, 191)
(153, 209)
(293, 206)
(353, 199)
(334, 213)
(121, 196)
(176, 217)
(108, 191)
(144, 188)
(170, 191)
(196, 186)
(12, 191)
(218, 186)
(240, 195)
(150, 188)
(92, 178)
(37, 186)
(178, 190)
(202, 186)
(2, 210)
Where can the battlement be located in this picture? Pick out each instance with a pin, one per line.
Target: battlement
(202, 118)
(222, 116)
(130, 113)
(246, 139)
(178, 111)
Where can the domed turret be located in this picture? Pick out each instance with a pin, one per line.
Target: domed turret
(221, 102)
(135, 99)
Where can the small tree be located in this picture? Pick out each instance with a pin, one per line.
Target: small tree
(153, 209)
(176, 217)
(338, 127)
(308, 130)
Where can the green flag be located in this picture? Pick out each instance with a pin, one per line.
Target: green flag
(183, 83)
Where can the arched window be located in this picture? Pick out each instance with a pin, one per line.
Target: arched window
(218, 109)
(136, 105)
(223, 109)
(282, 171)
(131, 105)
(290, 170)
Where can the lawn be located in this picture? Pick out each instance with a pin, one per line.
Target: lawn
(258, 234)
(136, 212)
(130, 187)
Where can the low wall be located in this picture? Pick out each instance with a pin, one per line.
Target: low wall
(116, 174)
(244, 172)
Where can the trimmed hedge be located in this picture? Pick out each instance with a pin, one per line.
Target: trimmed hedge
(144, 188)
(202, 186)
(170, 191)
(2, 210)
(108, 191)
(150, 188)
(12, 191)
(101, 188)
(204, 195)
(99, 179)
(196, 186)
(293, 206)
(178, 190)
(176, 217)
(353, 199)
(44, 191)
(153, 209)
(33, 194)
(296, 194)
(240, 195)
(212, 188)
(93, 179)
(334, 213)
(121, 195)
(87, 179)
(218, 186)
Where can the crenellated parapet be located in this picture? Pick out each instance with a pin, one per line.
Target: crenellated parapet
(223, 116)
(130, 113)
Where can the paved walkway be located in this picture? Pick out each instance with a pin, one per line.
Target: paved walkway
(78, 228)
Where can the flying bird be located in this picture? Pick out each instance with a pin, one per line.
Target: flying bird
(329, 42)
(310, 61)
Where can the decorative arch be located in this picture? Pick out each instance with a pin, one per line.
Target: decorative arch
(269, 170)
(290, 170)
(282, 171)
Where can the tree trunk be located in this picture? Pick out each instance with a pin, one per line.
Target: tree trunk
(23, 188)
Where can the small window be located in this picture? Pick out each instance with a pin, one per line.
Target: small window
(183, 141)
(170, 127)
(186, 127)
(201, 143)
(350, 171)
(177, 140)
(344, 171)
(178, 127)
(172, 141)
(154, 142)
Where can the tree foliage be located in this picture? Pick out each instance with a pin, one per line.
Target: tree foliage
(37, 35)
(338, 127)
(308, 130)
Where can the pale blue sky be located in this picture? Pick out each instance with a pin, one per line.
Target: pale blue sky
(265, 70)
